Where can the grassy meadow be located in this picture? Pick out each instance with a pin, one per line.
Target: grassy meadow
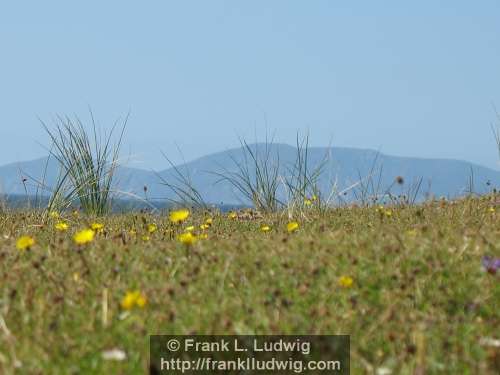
(406, 282)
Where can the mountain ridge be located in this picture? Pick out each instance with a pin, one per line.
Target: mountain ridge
(345, 165)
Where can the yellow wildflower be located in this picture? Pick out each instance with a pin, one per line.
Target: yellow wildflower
(203, 236)
(265, 228)
(204, 226)
(84, 237)
(145, 238)
(132, 299)
(292, 226)
(190, 228)
(308, 202)
(25, 243)
(388, 213)
(128, 301)
(345, 281)
(61, 226)
(54, 214)
(232, 215)
(491, 210)
(152, 228)
(187, 238)
(179, 216)
(141, 301)
(209, 221)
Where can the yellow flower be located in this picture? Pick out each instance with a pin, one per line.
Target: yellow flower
(128, 301)
(491, 210)
(380, 209)
(179, 216)
(388, 213)
(203, 236)
(61, 226)
(84, 237)
(190, 228)
(97, 227)
(25, 243)
(345, 281)
(132, 299)
(265, 228)
(308, 202)
(204, 226)
(232, 215)
(187, 238)
(292, 226)
(54, 214)
(141, 301)
(314, 198)
(152, 228)
(209, 221)
(145, 238)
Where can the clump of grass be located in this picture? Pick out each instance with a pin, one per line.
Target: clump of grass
(302, 180)
(262, 178)
(257, 175)
(88, 162)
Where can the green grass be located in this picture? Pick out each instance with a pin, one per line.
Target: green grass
(420, 302)
(88, 161)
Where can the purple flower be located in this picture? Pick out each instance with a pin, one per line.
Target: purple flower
(491, 264)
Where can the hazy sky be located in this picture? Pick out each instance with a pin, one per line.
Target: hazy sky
(413, 79)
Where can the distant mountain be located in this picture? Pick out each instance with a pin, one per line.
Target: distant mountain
(343, 166)
(30, 176)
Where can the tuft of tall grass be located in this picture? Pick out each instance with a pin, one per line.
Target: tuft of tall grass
(257, 175)
(88, 162)
(301, 179)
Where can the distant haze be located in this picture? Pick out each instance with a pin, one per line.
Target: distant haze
(410, 79)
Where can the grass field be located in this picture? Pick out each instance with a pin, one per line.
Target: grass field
(420, 301)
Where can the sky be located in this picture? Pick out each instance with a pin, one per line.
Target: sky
(406, 78)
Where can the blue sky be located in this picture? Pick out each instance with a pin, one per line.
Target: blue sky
(413, 79)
